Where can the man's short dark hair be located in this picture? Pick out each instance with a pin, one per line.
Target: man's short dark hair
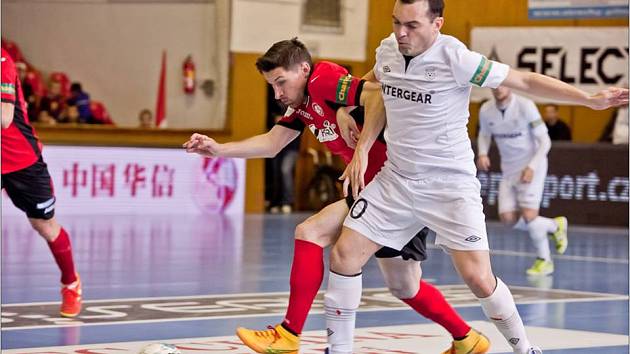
(436, 7)
(284, 54)
(76, 87)
(555, 106)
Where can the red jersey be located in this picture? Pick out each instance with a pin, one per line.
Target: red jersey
(20, 145)
(329, 87)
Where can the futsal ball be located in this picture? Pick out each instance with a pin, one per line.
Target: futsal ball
(160, 348)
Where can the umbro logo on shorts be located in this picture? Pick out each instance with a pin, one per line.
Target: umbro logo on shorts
(514, 341)
(358, 208)
(472, 238)
(329, 332)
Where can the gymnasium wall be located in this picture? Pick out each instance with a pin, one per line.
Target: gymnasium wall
(114, 50)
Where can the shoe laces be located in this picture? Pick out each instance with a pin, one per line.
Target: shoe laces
(270, 332)
(70, 294)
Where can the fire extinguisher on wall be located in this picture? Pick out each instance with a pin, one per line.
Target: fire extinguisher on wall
(189, 76)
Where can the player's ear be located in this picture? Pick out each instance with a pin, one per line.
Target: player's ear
(305, 68)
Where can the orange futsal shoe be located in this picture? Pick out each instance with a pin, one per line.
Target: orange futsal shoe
(275, 340)
(71, 299)
(474, 343)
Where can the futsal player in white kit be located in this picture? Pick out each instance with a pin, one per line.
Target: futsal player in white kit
(521, 136)
(429, 178)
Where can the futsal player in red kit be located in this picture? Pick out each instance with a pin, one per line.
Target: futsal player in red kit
(28, 184)
(313, 94)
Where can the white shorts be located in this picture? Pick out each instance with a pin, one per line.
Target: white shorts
(392, 209)
(515, 195)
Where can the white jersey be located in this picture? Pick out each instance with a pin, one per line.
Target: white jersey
(427, 105)
(514, 130)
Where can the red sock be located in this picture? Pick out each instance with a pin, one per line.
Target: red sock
(307, 274)
(62, 251)
(430, 303)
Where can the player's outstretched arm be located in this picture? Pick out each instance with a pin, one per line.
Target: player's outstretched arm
(259, 146)
(548, 87)
(7, 114)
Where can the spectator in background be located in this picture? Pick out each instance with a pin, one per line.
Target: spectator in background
(44, 118)
(616, 131)
(53, 104)
(146, 119)
(71, 114)
(81, 101)
(27, 89)
(558, 130)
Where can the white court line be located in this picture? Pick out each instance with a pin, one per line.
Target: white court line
(558, 256)
(610, 297)
(281, 293)
(382, 339)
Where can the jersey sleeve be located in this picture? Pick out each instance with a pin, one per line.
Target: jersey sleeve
(291, 120)
(534, 119)
(472, 68)
(9, 77)
(337, 86)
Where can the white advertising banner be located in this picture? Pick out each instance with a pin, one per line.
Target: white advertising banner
(591, 58)
(541, 9)
(134, 181)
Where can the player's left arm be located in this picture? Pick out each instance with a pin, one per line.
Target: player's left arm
(550, 88)
(7, 114)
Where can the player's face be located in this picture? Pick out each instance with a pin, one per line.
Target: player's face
(414, 29)
(501, 93)
(288, 85)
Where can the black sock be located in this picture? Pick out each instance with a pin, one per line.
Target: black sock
(289, 329)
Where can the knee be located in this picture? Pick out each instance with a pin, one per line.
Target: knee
(307, 231)
(482, 284)
(404, 289)
(508, 219)
(48, 229)
(342, 260)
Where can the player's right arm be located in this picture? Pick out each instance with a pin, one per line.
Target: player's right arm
(484, 139)
(259, 146)
(375, 119)
(347, 125)
(7, 114)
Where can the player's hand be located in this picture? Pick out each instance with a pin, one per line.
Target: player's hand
(483, 162)
(527, 175)
(610, 97)
(202, 145)
(347, 127)
(354, 175)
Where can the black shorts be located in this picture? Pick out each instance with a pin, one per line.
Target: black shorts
(416, 249)
(31, 190)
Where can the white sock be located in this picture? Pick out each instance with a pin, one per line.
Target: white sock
(501, 310)
(520, 224)
(538, 230)
(341, 302)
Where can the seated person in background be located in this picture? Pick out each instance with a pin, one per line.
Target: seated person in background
(616, 131)
(146, 119)
(27, 89)
(54, 102)
(44, 118)
(81, 100)
(558, 130)
(70, 115)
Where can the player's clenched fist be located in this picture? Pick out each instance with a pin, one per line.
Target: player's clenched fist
(202, 145)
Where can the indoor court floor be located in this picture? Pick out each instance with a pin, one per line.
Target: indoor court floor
(191, 280)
